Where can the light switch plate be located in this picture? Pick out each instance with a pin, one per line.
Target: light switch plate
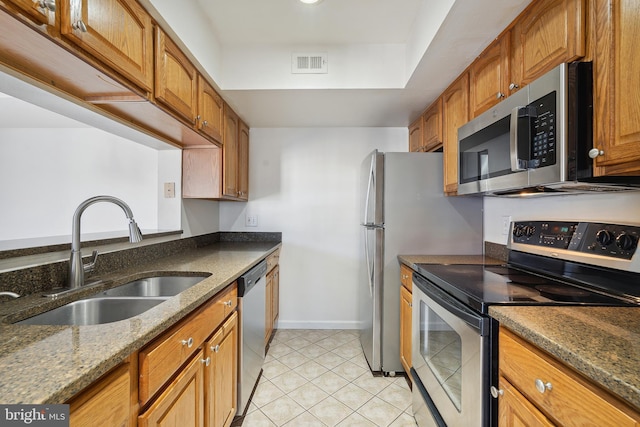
(169, 190)
(251, 221)
(506, 223)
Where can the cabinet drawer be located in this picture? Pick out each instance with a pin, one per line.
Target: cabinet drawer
(406, 277)
(572, 400)
(159, 360)
(273, 259)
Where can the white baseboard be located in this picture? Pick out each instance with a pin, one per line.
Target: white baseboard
(289, 324)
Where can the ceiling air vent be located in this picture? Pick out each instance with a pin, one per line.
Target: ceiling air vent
(309, 63)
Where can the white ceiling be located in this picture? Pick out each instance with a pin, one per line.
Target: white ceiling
(434, 53)
(388, 60)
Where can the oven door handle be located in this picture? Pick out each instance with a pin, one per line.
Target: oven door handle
(452, 305)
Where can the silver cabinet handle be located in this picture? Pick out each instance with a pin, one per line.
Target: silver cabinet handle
(215, 348)
(499, 95)
(496, 392)
(541, 386)
(79, 25)
(48, 4)
(206, 361)
(228, 303)
(594, 152)
(205, 123)
(513, 86)
(188, 342)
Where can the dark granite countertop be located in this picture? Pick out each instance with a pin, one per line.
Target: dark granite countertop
(50, 364)
(601, 343)
(410, 260)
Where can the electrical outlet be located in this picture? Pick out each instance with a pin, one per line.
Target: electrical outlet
(506, 223)
(169, 190)
(251, 220)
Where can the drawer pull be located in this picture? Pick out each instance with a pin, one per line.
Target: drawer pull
(496, 392)
(228, 303)
(206, 361)
(215, 348)
(188, 343)
(541, 386)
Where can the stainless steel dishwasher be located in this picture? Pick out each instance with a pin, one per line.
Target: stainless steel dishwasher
(252, 307)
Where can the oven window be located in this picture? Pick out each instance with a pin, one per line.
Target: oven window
(441, 348)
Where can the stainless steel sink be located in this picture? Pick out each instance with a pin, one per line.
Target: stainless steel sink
(94, 311)
(157, 286)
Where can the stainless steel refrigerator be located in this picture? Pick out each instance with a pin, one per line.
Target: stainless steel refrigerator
(404, 211)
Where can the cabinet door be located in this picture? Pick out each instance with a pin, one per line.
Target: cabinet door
(210, 106)
(616, 101)
(40, 11)
(432, 127)
(275, 296)
(176, 78)
(243, 161)
(515, 410)
(405, 328)
(547, 34)
(415, 135)
(108, 400)
(222, 375)
(182, 402)
(489, 76)
(455, 112)
(230, 153)
(118, 32)
(268, 328)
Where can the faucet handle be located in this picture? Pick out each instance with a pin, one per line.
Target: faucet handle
(88, 267)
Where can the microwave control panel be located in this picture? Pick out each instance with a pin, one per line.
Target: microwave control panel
(543, 131)
(610, 240)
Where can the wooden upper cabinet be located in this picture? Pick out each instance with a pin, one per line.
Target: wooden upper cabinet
(39, 11)
(243, 161)
(616, 100)
(432, 126)
(230, 153)
(547, 34)
(455, 113)
(176, 78)
(210, 111)
(117, 32)
(415, 135)
(489, 76)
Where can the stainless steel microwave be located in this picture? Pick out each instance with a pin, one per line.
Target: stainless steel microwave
(536, 141)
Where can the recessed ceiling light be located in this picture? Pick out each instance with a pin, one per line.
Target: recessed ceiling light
(310, 1)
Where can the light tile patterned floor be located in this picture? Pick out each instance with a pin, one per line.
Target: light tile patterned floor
(321, 378)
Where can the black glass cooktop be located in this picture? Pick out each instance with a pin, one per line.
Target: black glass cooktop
(480, 286)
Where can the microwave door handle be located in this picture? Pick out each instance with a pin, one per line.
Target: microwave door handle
(517, 114)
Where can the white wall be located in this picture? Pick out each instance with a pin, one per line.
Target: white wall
(304, 182)
(623, 208)
(46, 173)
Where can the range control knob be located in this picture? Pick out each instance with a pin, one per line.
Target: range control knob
(529, 230)
(518, 231)
(604, 237)
(626, 241)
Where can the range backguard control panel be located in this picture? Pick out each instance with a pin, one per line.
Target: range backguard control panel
(611, 240)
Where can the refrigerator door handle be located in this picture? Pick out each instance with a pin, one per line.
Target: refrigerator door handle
(366, 255)
(371, 183)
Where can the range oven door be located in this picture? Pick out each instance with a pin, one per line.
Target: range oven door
(451, 360)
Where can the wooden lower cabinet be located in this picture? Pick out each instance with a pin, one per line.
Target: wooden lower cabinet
(406, 308)
(516, 410)
(273, 302)
(567, 398)
(221, 376)
(182, 403)
(110, 400)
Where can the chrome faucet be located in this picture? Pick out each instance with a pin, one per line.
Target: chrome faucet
(77, 268)
(9, 294)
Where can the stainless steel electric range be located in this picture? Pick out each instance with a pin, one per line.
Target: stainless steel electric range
(549, 263)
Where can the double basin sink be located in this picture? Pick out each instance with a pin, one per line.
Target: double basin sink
(119, 303)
